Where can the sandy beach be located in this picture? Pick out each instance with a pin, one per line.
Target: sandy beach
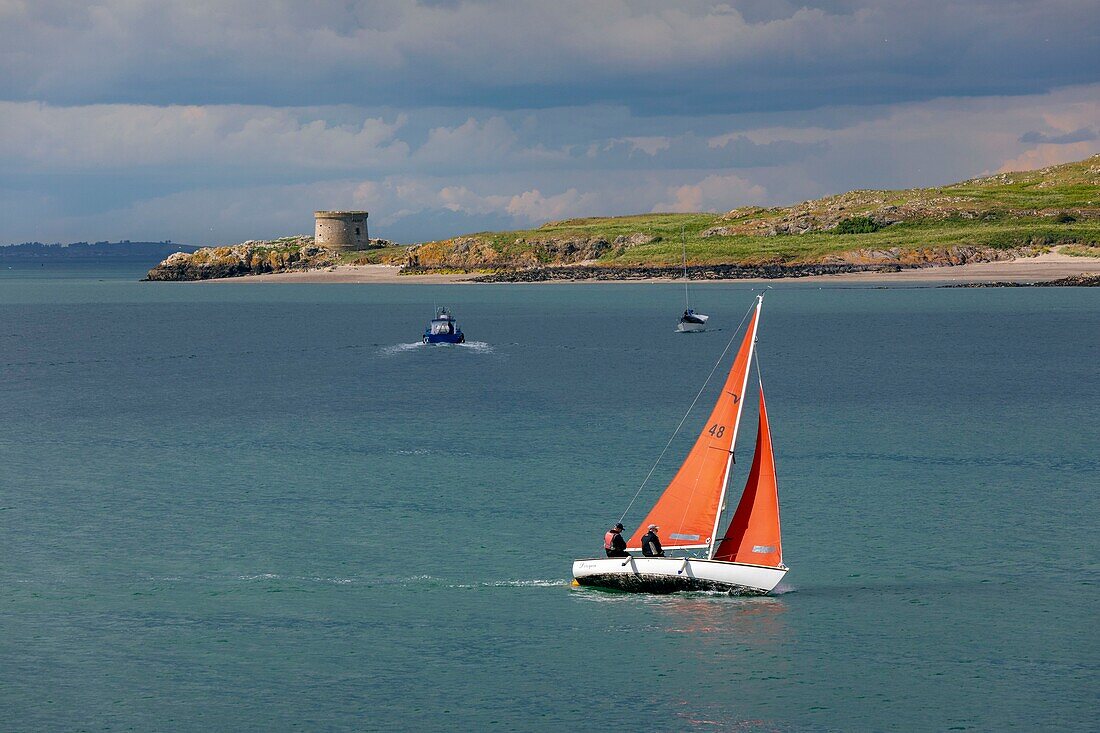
(1049, 266)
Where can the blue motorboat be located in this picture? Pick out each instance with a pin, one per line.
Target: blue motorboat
(444, 330)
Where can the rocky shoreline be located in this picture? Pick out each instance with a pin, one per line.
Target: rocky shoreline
(254, 257)
(694, 272)
(1084, 280)
(247, 258)
(300, 254)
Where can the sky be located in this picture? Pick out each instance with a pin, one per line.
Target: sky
(216, 121)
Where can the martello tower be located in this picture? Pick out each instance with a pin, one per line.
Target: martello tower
(341, 229)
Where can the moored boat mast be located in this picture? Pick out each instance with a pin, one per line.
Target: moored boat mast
(684, 250)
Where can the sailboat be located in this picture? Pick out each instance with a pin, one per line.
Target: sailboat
(747, 557)
(690, 322)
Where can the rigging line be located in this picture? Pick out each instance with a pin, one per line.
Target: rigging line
(699, 394)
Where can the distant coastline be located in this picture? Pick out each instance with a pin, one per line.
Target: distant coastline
(124, 250)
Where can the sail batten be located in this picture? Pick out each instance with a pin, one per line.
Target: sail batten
(674, 547)
(689, 506)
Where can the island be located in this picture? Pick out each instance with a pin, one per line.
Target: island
(1047, 215)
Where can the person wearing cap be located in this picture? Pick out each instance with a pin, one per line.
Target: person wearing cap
(651, 544)
(613, 543)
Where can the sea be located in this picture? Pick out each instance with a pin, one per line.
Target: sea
(235, 506)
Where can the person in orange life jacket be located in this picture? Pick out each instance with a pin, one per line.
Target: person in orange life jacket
(651, 545)
(613, 543)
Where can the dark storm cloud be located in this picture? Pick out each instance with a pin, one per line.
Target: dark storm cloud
(653, 57)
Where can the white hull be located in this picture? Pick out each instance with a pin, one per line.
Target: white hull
(671, 574)
(689, 327)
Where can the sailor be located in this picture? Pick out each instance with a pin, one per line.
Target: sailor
(613, 543)
(651, 545)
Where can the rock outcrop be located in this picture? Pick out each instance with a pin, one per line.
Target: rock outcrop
(477, 252)
(824, 215)
(891, 260)
(1084, 280)
(977, 199)
(695, 272)
(930, 256)
(248, 258)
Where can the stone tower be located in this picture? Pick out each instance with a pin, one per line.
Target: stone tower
(341, 229)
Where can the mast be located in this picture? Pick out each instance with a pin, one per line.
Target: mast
(736, 425)
(683, 245)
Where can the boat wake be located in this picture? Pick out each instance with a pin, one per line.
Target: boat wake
(478, 347)
(401, 348)
(559, 583)
(534, 583)
(297, 578)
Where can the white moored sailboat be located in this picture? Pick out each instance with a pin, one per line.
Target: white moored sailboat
(748, 556)
(690, 322)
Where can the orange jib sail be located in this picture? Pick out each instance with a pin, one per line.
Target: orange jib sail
(753, 535)
(687, 511)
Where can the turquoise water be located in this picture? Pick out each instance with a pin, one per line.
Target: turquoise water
(263, 507)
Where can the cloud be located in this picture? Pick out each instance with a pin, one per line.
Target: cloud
(220, 173)
(694, 55)
(256, 142)
(713, 193)
(121, 135)
(693, 151)
(533, 207)
(1081, 134)
(481, 145)
(1045, 155)
(651, 145)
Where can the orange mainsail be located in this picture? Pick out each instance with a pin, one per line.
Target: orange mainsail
(687, 511)
(753, 534)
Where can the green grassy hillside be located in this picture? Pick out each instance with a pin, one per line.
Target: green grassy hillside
(1056, 205)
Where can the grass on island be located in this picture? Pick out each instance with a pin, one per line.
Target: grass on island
(812, 246)
(1059, 205)
(789, 248)
(1081, 250)
(381, 256)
